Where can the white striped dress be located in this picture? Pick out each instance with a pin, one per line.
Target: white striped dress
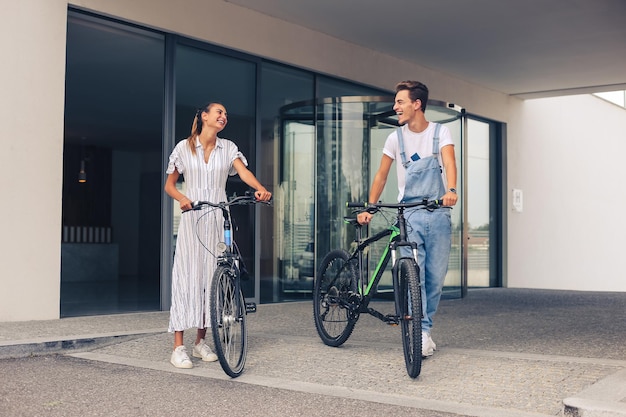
(193, 264)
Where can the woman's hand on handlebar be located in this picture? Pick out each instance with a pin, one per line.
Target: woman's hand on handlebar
(263, 195)
(185, 204)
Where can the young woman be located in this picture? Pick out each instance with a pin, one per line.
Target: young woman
(205, 161)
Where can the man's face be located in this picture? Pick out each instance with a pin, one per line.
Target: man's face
(404, 107)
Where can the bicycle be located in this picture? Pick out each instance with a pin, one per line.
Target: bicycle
(340, 295)
(228, 305)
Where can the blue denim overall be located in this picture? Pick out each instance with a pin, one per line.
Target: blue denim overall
(431, 230)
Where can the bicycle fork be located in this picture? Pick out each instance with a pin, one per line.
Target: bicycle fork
(250, 307)
(235, 276)
(400, 286)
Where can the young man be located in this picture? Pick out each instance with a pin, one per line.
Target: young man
(421, 149)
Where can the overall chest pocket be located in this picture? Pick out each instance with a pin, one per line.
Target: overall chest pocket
(423, 180)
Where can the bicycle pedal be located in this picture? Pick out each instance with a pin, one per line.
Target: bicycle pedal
(250, 308)
(392, 320)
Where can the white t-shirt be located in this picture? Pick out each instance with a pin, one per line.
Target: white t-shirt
(415, 143)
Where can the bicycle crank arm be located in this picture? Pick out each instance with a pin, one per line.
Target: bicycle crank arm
(390, 319)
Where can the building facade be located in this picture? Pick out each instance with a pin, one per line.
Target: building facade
(112, 86)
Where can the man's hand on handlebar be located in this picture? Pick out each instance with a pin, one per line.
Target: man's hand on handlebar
(364, 217)
(449, 199)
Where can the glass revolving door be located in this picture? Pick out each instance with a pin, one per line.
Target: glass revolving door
(330, 151)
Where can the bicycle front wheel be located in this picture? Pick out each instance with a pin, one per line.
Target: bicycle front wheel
(228, 322)
(409, 308)
(335, 298)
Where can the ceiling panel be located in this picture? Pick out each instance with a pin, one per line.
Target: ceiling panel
(530, 48)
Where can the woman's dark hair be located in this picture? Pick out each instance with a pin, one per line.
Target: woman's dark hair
(196, 125)
(417, 91)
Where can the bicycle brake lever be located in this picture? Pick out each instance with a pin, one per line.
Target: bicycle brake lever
(434, 204)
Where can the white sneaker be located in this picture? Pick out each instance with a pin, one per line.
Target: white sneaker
(202, 350)
(428, 346)
(180, 359)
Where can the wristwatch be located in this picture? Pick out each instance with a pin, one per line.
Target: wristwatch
(452, 190)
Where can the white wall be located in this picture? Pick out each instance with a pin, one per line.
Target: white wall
(31, 129)
(568, 161)
(32, 75)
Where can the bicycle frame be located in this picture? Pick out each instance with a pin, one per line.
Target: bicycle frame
(397, 238)
(366, 287)
(228, 308)
(231, 258)
(343, 290)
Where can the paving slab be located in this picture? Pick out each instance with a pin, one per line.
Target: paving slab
(500, 352)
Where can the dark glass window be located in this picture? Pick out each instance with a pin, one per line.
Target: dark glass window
(313, 140)
(113, 135)
(203, 76)
(332, 87)
(281, 278)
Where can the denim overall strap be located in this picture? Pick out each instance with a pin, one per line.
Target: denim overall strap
(405, 162)
(423, 177)
(436, 139)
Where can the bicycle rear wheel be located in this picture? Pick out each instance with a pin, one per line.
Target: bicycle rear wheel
(335, 298)
(228, 322)
(409, 308)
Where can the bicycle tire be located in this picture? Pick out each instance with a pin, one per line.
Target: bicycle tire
(335, 298)
(409, 308)
(228, 322)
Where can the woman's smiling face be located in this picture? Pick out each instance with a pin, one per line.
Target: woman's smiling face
(216, 116)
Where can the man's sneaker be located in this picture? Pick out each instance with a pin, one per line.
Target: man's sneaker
(202, 350)
(428, 346)
(180, 359)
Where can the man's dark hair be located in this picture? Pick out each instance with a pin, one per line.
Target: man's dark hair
(417, 91)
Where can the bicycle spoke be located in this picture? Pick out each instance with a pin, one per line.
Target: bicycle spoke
(332, 290)
(229, 331)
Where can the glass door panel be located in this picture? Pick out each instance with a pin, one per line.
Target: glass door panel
(379, 134)
(331, 150)
(450, 116)
(295, 199)
(478, 202)
(110, 251)
(452, 119)
(196, 72)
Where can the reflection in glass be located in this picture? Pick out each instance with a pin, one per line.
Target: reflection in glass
(296, 197)
(331, 149)
(284, 271)
(196, 73)
(478, 215)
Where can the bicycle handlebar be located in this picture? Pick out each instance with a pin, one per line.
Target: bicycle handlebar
(246, 199)
(375, 207)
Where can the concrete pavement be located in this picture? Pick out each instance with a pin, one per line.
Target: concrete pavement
(500, 352)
